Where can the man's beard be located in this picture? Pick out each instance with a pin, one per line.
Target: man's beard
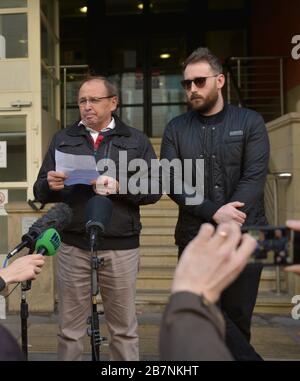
(204, 105)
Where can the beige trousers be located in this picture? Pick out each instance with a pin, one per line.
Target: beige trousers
(117, 282)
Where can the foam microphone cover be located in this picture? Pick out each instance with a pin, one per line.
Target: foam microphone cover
(58, 217)
(98, 212)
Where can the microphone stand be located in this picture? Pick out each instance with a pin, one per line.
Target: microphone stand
(93, 320)
(24, 314)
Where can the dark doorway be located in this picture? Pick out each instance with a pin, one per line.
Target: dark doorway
(142, 44)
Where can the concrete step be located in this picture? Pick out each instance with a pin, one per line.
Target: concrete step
(155, 212)
(156, 273)
(155, 278)
(151, 300)
(158, 251)
(269, 302)
(162, 260)
(157, 240)
(164, 203)
(159, 231)
(158, 256)
(268, 280)
(156, 143)
(163, 221)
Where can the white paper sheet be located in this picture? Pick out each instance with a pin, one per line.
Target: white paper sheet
(80, 169)
(3, 154)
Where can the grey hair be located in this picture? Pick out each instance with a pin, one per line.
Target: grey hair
(111, 88)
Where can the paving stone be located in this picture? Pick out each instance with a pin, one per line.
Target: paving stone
(274, 337)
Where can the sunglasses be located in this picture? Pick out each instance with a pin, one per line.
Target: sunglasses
(198, 81)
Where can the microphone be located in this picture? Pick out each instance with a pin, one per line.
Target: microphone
(58, 217)
(98, 214)
(47, 244)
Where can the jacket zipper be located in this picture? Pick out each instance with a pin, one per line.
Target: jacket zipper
(211, 165)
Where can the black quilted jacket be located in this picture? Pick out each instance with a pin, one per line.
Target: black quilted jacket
(235, 147)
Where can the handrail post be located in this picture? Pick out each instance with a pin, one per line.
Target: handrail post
(275, 192)
(228, 88)
(281, 86)
(65, 97)
(239, 76)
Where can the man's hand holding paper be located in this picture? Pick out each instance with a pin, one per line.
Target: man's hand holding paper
(78, 169)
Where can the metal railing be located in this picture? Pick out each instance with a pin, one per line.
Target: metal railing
(257, 83)
(272, 208)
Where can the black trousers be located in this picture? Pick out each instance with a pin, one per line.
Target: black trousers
(237, 303)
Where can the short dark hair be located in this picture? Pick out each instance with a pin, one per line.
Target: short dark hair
(109, 85)
(204, 55)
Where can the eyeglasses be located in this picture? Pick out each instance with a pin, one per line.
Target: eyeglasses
(93, 100)
(198, 81)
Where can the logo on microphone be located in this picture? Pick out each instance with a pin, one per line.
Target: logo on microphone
(55, 240)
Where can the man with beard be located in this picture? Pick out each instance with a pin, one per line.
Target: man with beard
(234, 145)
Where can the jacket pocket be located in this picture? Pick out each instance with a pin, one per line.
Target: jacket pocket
(130, 149)
(234, 139)
(75, 147)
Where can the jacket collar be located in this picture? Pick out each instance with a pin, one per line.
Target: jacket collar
(213, 119)
(121, 129)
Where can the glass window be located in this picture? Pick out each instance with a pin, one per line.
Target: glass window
(48, 92)
(13, 4)
(48, 10)
(125, 53)
(161, 115)
(73, 116)
(72, 89)
(13, 132)
(167, 88)
(168, 51)
(133, 116)
(160, 6)
(13, 195)
(13, 36)
(48, 46)
(131, 88)
(73, 80)
(225, 4)
(121, 7)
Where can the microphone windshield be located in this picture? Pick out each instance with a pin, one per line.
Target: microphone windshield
(58, 217)
(98, 212)
(48, 242)
(65, 214)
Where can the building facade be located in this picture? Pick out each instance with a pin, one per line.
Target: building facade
(48, 46)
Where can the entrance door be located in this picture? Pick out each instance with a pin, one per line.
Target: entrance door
(16, 152)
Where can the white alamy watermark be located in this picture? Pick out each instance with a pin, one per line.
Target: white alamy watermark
(137, 176)
(296, 49)
(296, 309)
